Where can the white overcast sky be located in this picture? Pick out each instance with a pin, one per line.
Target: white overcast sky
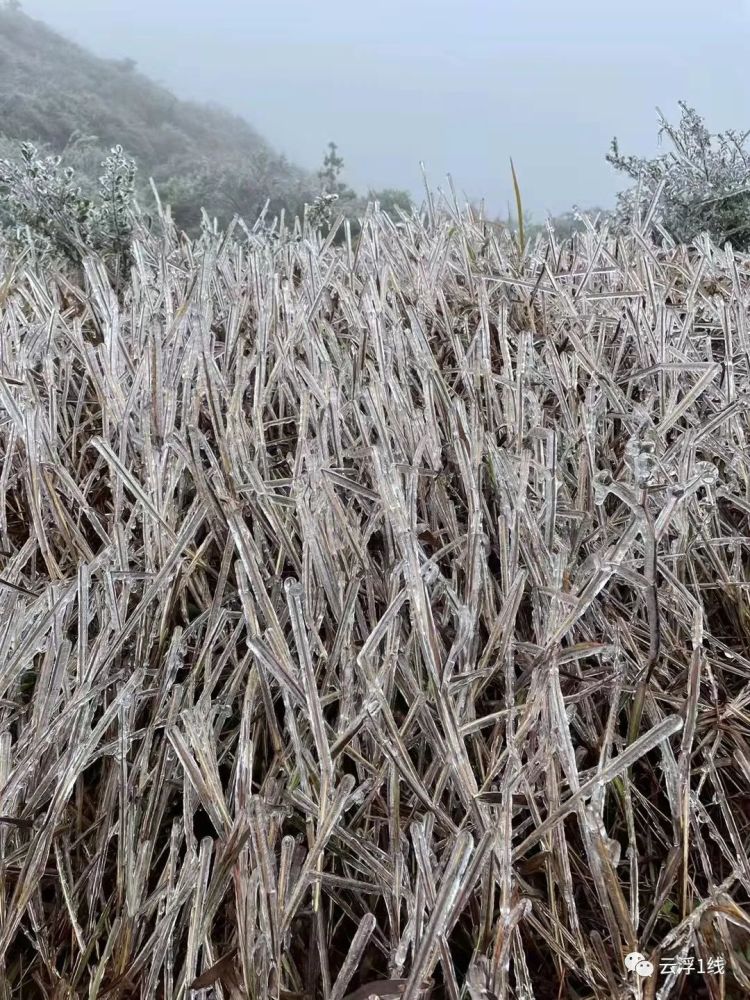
(461, 85)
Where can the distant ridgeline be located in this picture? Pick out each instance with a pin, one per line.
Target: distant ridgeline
(66, 100)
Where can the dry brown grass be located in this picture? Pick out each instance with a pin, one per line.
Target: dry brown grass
(375, 620)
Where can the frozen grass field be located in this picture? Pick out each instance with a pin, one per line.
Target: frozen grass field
(374, 619)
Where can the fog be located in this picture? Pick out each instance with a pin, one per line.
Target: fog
(461, 87)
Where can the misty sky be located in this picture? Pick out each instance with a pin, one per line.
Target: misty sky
(460, 85)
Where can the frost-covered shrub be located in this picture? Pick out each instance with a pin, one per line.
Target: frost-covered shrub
(705, 178)
(320, 213)
(42, 205)
(109, 226)
(41, 200)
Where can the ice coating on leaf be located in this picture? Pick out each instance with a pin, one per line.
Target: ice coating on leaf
(708, 473)
(640, 453)
(602, 484)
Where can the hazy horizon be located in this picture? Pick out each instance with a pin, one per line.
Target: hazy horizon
(461, 90)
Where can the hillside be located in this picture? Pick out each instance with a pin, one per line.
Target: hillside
(59, 95)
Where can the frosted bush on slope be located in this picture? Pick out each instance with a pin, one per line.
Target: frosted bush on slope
(43, 206)
(704, 182)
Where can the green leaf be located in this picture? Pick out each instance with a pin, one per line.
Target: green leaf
(519, 210)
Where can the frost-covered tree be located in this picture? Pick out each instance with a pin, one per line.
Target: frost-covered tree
(334, 197)
(330, 173)
(702, 185)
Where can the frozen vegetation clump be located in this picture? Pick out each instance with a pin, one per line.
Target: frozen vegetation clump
(373, 615)
(701, 185)
(44, 208)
